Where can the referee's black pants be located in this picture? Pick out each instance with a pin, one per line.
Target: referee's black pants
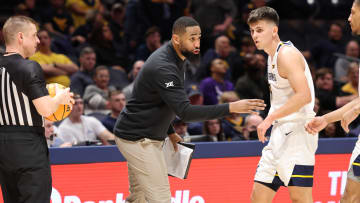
(25, 174)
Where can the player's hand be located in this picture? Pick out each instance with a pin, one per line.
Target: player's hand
(262, 128)
(316, 125)
(347, 118)
(175, 138)
(247, 106)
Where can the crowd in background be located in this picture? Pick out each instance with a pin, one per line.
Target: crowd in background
(97, 48)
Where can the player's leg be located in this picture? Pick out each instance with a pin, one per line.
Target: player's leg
(266, 182)
(352, 192)
(301, 183)
(352, 188)
(263, 192)
(300, 194)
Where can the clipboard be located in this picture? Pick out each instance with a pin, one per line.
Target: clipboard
(178, 163)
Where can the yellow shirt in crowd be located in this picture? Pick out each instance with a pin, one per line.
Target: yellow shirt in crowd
(348, 88)
(79, 19)
(51, 59)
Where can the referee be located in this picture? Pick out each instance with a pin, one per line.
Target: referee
(158, 96)
(25, 174)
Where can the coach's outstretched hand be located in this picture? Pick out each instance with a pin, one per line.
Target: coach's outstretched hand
(247, 106)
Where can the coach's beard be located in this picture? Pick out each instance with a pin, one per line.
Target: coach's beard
(193, 58)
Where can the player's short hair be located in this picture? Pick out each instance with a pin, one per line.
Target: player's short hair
(14, 25)
(263, 13)
(182, 23)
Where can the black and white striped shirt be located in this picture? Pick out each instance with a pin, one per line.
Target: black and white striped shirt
(21, 81)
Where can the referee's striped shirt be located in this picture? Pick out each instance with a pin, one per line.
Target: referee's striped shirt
(21, 81)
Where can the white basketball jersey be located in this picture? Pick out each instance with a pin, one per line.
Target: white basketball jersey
(281, 89)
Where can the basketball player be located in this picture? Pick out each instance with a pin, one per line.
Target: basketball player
(346, 114)
(289, 157)
(24, 101)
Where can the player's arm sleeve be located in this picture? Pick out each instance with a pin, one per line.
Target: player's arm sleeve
(168, 84)
(34, 81)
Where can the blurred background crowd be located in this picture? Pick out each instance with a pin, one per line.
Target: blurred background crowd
(97, 48)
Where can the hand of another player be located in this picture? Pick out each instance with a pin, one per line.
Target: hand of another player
(175, 138)
(316, 125)
(347, 118)
(262, 128)
(247, 106)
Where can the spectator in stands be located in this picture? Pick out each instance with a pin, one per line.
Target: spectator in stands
(180, 128)
(233, 124)
(57, 67)
(247, 46)
(79, 9)
(57, 20)
(152, 42)
(117, 103)
(351, 87)
(253, 85)
(83, 78)
(317, 105)
(342, 64)
(133, 73)
(59, 23)
(322, 52)
(222, 50)
(328, 92)
(51, 137)
(329, 131)
(116, 22)
(96, 96)
(249, 130)
(81, 33)
(78, 129)
(196, 98)
(213, 130)
(108, 52)
(213, 87)
(214, 16)
(28, 8)
(159, 13)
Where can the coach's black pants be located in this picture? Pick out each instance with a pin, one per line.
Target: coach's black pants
(25, 174)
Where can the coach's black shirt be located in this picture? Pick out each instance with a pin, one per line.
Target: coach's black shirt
(158, 96)
(21, 81)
